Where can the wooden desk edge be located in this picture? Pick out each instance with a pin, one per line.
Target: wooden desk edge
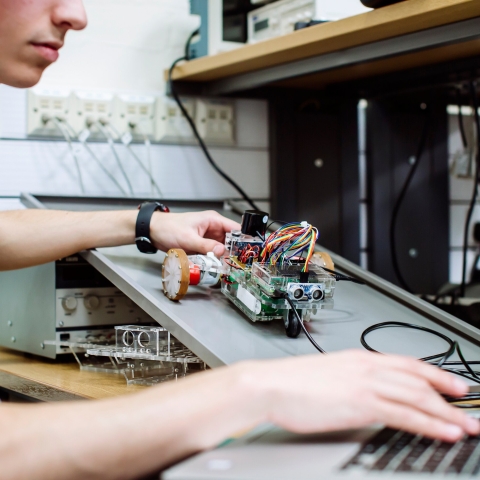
(67, 380)
(34, 391)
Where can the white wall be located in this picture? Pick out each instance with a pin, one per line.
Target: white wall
(126, 47)
(181, 171)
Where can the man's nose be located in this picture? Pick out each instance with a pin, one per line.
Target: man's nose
(69, 14)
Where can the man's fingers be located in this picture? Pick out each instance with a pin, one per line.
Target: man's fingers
(418, 394)
(414, 421)
(219, 250)
(197, 244)
(442, 381)
(216, 225)
(229, 225)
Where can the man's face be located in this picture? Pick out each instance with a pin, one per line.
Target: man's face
(31, 33)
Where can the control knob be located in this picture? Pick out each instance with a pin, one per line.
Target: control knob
(69, 304)
(91, 302)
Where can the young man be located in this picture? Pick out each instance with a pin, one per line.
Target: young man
(132, 436)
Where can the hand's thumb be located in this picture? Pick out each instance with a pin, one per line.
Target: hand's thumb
(205, 245)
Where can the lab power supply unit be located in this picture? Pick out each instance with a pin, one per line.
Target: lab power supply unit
(279, 18)
(66, 300)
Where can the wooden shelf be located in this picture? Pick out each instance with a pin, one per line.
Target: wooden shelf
(397, 37)
(360, 71)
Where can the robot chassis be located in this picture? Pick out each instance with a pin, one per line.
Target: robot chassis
(253, 278)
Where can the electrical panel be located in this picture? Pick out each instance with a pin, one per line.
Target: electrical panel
(215, 121)
(170, 124)
(45, 105)
(105, 116)
(135, 114)
(90, 109)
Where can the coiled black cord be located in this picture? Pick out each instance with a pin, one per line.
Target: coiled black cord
(442, 357)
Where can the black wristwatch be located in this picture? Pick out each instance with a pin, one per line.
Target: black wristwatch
(142, 227)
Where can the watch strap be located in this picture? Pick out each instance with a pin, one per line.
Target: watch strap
(142, 227)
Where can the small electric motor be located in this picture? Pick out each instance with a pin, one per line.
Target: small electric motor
(179, 271)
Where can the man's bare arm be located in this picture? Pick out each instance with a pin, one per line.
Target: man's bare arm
(33, 237)
(139, 434)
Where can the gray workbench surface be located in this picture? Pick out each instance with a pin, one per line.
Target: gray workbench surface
(213, 328)
(207, 323)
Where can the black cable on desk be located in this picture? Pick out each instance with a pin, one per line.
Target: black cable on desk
(442, 357)
(379, 326)
(342, 277)
(190, 121)
(465, 398)
(307, 333)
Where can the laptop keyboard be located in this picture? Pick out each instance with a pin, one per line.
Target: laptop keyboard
(395, 451)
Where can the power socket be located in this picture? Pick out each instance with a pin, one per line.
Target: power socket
(215, 120)
(135, 114)
(90, 108)
(170, 124)
(42, 106)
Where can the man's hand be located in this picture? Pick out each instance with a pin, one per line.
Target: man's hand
(356, 389)
(200, 232)
(303, 394)
(59, 234)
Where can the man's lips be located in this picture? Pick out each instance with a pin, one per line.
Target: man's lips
(49, 51)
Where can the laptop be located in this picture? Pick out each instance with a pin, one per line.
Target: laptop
(269, 453)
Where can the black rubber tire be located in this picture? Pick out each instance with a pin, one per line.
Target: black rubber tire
(293, 328)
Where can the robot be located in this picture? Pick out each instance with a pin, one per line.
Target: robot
(268, 277)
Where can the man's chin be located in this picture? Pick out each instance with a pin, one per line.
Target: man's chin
(25, 77)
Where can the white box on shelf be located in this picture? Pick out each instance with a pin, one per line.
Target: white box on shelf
(279, 18)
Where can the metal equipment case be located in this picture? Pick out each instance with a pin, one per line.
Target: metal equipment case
(63, 300)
